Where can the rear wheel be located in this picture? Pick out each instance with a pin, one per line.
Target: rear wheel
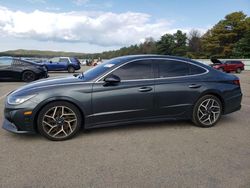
(28, 76)
(207, 111)
(71, 69)
(238, 70)
(59, 121)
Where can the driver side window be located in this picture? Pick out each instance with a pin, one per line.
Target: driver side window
(5, 62)
(136, 70)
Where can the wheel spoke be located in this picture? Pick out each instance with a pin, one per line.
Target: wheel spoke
(59, 121)
(54, 113)
(48, 124)
(208, 111)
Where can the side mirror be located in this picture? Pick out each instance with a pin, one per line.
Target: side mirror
(50, 61)
(112, 79)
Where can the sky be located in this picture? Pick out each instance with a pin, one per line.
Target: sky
(91, 26)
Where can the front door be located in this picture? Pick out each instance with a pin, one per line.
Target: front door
(130, 99)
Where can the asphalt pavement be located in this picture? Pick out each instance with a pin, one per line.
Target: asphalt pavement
(170, 154)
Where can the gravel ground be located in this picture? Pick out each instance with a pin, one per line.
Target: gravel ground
(170, 154)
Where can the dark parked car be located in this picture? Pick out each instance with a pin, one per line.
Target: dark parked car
(19, 69)
(228, 66)
(70, 64)
(127, 89)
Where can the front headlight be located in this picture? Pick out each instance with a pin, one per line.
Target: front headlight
(15, 100)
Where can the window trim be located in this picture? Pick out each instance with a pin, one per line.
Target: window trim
(151, 67)
(99, 79)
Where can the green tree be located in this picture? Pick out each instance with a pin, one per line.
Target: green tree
(194, 44)
(172, 44)
(220, 40)
(180, 43)
(148, 47)
(166, 45)
(242, 47)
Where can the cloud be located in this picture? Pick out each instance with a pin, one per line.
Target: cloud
(80, 2)
(37, 1)
(97, 28)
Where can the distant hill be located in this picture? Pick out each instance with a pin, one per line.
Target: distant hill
(39, 53)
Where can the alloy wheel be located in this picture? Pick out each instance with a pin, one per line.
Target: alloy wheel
(28, 76)
(59, 122)
(209, 111)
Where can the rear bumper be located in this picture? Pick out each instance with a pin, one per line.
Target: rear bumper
(232, 104)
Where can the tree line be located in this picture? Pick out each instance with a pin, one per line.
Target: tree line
(229, 38)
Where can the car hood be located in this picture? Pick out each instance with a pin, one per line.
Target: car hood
(47, 84)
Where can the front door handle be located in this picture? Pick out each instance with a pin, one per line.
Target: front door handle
(145, 89)
(194, 86)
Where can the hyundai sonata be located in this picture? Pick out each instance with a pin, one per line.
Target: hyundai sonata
(123, 90)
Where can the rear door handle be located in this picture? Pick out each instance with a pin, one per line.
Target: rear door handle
(145, 89)
(194, 86)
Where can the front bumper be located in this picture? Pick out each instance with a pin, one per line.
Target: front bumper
(7, 125)
(15, 121)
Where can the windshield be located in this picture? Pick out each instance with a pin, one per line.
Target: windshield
(100, 69)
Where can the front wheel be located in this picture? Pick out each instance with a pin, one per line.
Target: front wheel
(59, 121)
(207, 111)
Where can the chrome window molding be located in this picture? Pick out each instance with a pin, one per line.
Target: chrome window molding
(99, 79)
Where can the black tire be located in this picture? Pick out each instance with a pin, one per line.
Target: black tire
(71, 69)
(197, 114)
(28, 76)
(238, 70)
(59, 123)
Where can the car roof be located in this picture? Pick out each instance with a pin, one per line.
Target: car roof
(131, 57)
(154, 56)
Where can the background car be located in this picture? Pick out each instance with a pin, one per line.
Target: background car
(18, 69)
(228, 66)
(70, 64)
(123, 90)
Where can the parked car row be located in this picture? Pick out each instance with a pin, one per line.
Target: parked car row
(28, 71)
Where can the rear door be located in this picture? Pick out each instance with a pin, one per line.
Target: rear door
(5, 68)
(176, 87)
(63, 63)
(229, 66)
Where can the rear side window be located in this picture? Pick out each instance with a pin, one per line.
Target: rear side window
(5, 62)
(171, 68)
(74, 60)
(196, 70)
(233, 62)
(18, 62)
(141, 69)
(64, 60)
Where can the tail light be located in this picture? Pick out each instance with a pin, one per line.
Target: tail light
(236, 82)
